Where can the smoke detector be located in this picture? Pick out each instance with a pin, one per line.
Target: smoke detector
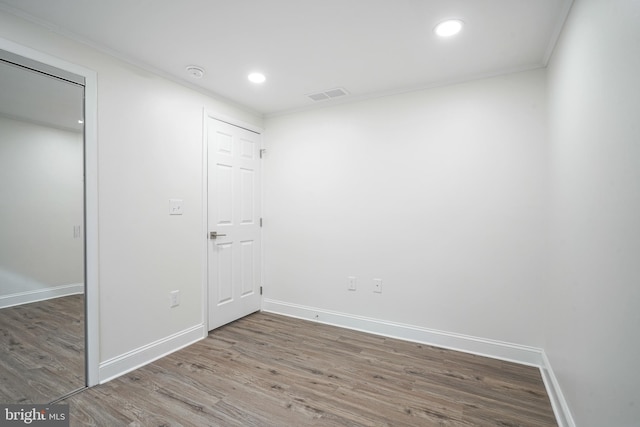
(195, 71)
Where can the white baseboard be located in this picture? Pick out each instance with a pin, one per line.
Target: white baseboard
(525, 355)
(139, 357)
(41, 295)
(558, 402)
(483, 347)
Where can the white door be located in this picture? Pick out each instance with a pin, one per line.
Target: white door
(234, 267)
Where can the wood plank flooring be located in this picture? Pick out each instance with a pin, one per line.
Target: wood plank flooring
(270, 370)
(42, 350)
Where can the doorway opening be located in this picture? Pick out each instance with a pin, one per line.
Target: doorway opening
(49, 259)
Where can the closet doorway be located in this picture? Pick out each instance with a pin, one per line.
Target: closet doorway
(47, 228)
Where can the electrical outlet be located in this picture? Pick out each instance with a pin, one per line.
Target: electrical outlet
(174, 298)
(175, 207)
(351, 283)
(377, 286)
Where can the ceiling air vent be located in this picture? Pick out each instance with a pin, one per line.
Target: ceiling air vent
(328, 94)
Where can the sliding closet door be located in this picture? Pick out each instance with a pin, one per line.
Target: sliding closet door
(42, 232)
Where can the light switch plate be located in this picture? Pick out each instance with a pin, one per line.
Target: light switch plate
(174, 299)
(175, 207)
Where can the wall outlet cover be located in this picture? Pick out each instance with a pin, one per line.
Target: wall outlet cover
(377, 286)
(175, 207)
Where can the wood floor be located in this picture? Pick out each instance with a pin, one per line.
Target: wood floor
(42, 350)
(268, 370)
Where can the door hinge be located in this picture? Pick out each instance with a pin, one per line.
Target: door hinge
(260, 222)
(260, 290)
(262, 151)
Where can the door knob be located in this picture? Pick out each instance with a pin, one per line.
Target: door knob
(215, 235)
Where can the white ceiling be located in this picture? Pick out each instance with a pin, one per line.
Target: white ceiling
(368, 47)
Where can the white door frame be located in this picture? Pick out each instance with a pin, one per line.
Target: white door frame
(207, 114)
(92, 301)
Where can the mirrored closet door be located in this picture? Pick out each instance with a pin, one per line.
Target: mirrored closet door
(42, 245)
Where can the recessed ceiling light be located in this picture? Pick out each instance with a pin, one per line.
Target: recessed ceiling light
(80, 122)
(195, 72)
(257, 78)
(448, 28)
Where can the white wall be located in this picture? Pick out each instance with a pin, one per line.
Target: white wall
(593, 298)
(150, 150)
(41, 203)
(440, 193)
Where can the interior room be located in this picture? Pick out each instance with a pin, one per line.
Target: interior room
(481, 195)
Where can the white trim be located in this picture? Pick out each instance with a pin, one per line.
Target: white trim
(91, 224)
(90, 200)
(565, 8)
(480, 346)
(233, 121)
(146, 354)
(41, 295)
(558, 402)
(205, 220)
(351, 99)
(524, 355)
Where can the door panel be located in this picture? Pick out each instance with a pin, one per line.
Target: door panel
(234, 268)
(224, 180)
(224, 272)
(247, 195)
